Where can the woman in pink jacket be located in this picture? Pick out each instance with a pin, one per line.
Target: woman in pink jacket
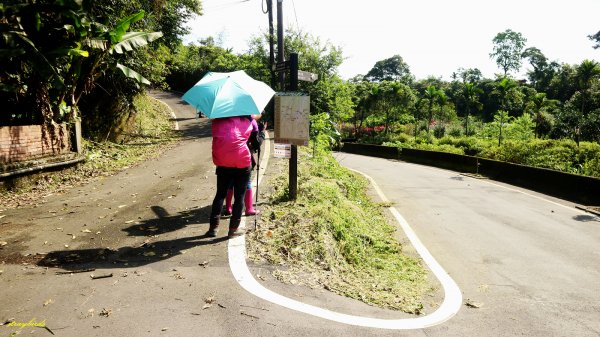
(232, 157)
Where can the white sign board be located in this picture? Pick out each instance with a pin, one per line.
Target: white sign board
(306, 76)
(292, 118)
(283, 150)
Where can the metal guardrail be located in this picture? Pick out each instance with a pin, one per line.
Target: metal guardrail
(572, 187)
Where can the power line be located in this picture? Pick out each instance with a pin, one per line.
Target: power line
(296, 16)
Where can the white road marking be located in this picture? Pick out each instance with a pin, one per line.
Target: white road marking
(450, 306)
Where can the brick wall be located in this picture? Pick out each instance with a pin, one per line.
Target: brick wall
(22, 143)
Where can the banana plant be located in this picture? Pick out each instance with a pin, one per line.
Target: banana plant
(52, 53)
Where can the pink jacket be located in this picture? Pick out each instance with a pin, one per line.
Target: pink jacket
(230, 135)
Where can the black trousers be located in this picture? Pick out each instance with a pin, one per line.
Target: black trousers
(226, 177)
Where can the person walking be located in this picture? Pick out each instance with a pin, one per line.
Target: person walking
(233, 161)
(254, 142)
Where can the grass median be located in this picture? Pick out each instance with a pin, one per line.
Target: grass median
(335, 237)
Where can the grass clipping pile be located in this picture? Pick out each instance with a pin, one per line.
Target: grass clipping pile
(333, 236)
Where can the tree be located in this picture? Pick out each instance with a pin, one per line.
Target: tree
(471, 94)
(391, 69)
(166, 16)
(391, 99)
(542, 72)
(508, 49)
(595, 38)
(539, 101)
(501, 119)
(55, 52)
(587, 73)
(468, 75)
(432, 95)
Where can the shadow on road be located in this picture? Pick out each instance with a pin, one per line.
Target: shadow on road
(586, 218)
(145, 253)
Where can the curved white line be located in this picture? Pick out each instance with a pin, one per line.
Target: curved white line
(450, 306)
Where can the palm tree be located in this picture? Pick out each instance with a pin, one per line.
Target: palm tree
(471, 94)
(587, 72)
(504, 87)
(432, 95)
(539, 101)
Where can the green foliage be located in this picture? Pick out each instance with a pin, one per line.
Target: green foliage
(323, 133)
(521, 128)
(64, 51)
(439, 130)
(336, 237)
(391, 69)
(596, 39)
(508, 49)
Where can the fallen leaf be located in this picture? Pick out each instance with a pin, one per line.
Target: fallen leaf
(471, 304)
(106, 312)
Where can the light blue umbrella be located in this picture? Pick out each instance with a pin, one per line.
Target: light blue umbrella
(219, 95)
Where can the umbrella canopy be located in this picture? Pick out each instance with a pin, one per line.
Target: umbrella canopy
(219, 95)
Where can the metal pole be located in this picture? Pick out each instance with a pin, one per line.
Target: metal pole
(257, 175)
(293, 174)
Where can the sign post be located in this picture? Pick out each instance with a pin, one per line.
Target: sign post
(292, 118)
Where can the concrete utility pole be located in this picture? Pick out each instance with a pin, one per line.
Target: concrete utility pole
(271, 42)
(280, 55)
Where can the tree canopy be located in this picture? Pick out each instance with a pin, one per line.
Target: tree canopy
(508, 49)
(391, 69)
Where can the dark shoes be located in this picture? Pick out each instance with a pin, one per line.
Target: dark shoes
(212, 230)
(211, 233)
(234, 229)
(235, 232)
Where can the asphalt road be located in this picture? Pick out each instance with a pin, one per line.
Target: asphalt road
(530, 264)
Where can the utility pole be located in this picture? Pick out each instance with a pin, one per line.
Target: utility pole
(293, 166)
(280, 56)
(293, 67)
(271, 43)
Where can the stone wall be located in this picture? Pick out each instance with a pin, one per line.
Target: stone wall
(28, 142)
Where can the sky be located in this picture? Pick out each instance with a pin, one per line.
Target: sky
(434, 37)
